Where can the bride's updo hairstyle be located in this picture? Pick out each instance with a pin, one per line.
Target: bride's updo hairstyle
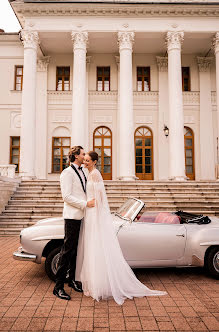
(93, 155)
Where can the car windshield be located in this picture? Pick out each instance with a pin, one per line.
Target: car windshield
(130, 209)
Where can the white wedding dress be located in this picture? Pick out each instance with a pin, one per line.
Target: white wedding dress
(101, 267)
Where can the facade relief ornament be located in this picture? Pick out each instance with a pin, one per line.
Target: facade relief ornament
(117, 59)
(126, 40)
(80, 40)
(204, 63)
(162, 63)
(174, 40)
(215, 43)
(30, 39)
(88, 59)
(42, 63)
(15, 120)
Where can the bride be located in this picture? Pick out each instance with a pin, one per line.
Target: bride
(101, 267)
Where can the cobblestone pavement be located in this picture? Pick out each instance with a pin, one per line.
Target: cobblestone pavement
(27, 303)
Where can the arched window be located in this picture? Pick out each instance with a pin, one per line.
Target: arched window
(60, 150)
(144, 153)
(189, 153)
(102, 144)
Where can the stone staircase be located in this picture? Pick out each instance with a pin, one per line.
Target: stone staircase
(34, 200)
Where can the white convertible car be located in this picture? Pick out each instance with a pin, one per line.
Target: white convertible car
(161, 239)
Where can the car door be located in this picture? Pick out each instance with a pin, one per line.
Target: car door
(152, 244)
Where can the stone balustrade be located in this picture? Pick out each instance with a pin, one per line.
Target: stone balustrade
(8, 171)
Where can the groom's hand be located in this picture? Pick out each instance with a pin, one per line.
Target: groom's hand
(91, 203)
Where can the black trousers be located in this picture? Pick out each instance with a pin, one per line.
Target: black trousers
(68, 252)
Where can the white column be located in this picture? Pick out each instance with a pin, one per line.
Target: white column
(206, 121)
(163, 151)
(41, 119)
(176, 120)
(126, 118)
(216, 49)
(117, 148)
(88, 145)
(28, 117)
(79, 89)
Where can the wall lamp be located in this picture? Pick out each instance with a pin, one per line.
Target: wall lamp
(166, 131)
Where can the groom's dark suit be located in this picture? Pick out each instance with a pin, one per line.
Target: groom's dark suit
(73, 188)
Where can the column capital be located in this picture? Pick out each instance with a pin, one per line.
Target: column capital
(30, 39)
(174, 40)
(215, 43)
(126, 40)
(204, 63)
(162, 63)
(42, 63)
(80, 40)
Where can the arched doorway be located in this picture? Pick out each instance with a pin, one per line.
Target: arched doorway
(144, 153)
(102, 144)
(189, 153)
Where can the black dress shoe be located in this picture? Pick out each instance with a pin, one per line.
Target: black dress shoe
(76, 285)
(61, 294)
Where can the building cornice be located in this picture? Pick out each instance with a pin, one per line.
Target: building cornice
(107, 9)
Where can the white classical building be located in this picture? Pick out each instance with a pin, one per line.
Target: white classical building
(137, 81)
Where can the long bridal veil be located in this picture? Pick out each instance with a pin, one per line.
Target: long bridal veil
(101, 266)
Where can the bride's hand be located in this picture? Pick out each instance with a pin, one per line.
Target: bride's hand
(91, 203)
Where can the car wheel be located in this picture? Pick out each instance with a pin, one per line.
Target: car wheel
(51, 263)
(212, 262)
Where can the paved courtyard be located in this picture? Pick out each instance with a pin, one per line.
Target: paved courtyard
(27, 303)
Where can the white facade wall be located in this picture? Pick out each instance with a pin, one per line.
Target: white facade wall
(54, 108)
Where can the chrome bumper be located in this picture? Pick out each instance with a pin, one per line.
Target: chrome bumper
(23, 256)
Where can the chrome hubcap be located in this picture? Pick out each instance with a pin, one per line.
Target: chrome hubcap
(216, 261)
(55, 262)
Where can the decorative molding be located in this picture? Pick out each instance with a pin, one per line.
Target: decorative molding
(204, 63)
(191, 98)
(213, 98)
(189, 119)
(30, 39)
(117, 59)
(162, 63)
(215, 43)
(146, 97)
(103, 119)
(42, 64)
(174, 40)
(126, 40)
(112, 10)
(88, 59)
(15, 120)
(144, 119)
(80, 40)
(61, 118)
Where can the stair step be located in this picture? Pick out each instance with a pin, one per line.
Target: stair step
(40, 199)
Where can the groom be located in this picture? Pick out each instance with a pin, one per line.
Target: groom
(73, 188)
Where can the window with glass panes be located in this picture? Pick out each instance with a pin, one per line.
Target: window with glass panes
(144, 153)
(103, 78)
(63, 78)
(60, 150)
(18, 81)
(189, 153)
(102, 144)
(186, 79)
(15, 151)
(143, 78)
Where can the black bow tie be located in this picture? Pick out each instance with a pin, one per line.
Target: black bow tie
(80, 168)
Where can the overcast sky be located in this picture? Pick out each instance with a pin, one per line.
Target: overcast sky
(8, 20)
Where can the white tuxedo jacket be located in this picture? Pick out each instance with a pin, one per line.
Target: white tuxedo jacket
(73, 194)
